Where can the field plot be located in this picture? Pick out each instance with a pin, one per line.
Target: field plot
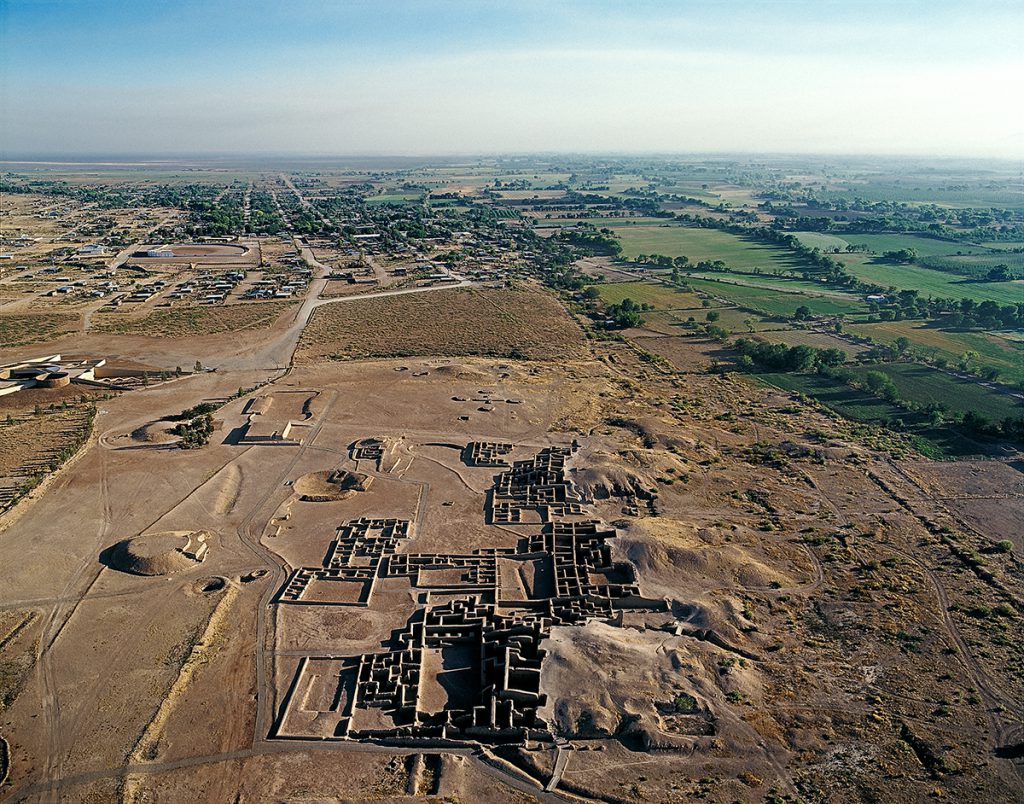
(777, 302)
(821, 240)
(975, 265)
(1002, 353)
(662, 297)
(23, 329)
(32, 445)
(924, 246)
(819, 340)
(924, 384)
(860, 406)
(528, 324)
(183, 322)
(676, 322)
(931, 282)
(701, 244)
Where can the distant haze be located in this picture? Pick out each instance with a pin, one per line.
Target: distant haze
(928, 78)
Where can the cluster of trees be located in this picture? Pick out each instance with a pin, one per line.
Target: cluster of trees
(591, 240)
(626, 314)
(196, 410)
(780, 357)
(946, 223)
(194, 433)
(904, 256)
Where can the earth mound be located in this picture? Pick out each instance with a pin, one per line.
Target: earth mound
(159, 553)
(462, 372)
(330, 486)
(606, 479)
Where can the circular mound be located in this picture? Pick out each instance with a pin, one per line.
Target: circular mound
(462, 372)
(331, 485)
(207, 250)
(210, 585)
(159, 553)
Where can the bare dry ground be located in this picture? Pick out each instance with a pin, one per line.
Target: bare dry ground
(184, 322)
(528, 324)
(837, 625)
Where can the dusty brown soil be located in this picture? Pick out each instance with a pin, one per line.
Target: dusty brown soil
(184, 322)
(28, 328)
(525, 323)
(838, 627)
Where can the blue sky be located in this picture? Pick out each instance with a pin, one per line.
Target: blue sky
(458, 77)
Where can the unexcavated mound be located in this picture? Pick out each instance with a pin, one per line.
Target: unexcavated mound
(462, 372)
(159, 553)
(603, 480)
(208, 586)
(330, 486)
(635, 707)
(669, 554)
(153, 433)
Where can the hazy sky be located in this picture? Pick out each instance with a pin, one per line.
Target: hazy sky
(428, 77)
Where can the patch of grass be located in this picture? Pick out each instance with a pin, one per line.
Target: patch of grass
(777, 302)
(184, 322)
(662, 297)
(931, 282)
(924, 384)
(674, 240)
(525, 324)
(1004, 354)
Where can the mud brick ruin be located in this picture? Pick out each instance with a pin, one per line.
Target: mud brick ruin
(488, 453)
(467, 665)
(538, 485)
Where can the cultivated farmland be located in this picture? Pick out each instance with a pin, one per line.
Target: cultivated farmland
(990, 350)
(701, 244)
(924, 385)
(930, 282)
(777, 303)
(662, 297)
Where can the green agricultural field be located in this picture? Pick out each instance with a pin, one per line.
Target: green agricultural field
(395, 198)
(663, 297)
(859, 406)
(975, 265)
(1003, 245)
(924, 246)
(784, 284)
(924, 384)
(777, 302)
(819, 340)
(1004, 354)
(673, 322)
(821, 240)
(543, 221)
(939, 284)
(673, 240)
(849, 402)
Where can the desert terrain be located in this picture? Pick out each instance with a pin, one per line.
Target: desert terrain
(397, 519)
